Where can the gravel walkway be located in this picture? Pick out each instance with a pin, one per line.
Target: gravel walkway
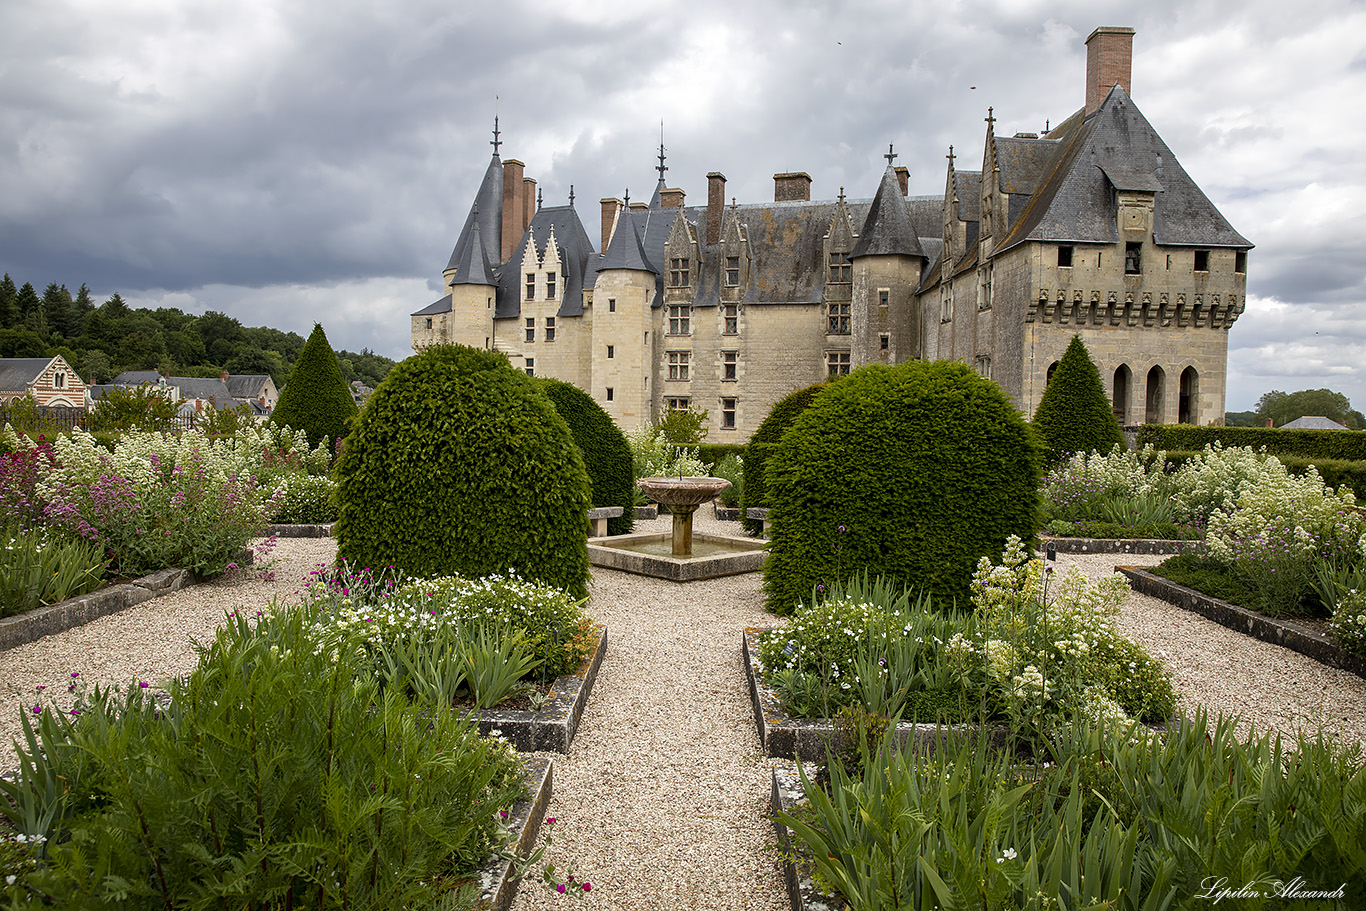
(661, 800)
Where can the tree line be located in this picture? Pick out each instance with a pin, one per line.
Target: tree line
(102, 341)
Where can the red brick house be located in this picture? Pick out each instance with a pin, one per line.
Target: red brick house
(51, 380)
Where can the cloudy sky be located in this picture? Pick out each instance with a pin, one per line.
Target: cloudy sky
(287, 162)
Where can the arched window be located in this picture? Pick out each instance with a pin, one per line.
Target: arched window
(1048, 377)
(1156, 379)
(1120, 399)
(1188, 411)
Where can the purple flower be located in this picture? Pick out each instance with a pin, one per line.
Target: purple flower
(587, 887)
(37, 710)
(560, 888)
(842, 529)
(550, 820)
(144, 684)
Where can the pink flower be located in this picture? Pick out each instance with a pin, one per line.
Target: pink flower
(587, 887)
(550, 820)
(560, 888)
(144, 684)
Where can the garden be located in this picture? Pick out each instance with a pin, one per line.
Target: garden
(325, 749)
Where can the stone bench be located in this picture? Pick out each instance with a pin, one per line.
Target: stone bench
(597, 519)
(758, 514)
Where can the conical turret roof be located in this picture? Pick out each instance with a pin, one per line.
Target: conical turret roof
(888, 230)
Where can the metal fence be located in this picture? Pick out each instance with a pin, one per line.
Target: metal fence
(62, 419)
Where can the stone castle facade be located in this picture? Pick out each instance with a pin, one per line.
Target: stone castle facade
(1091, 228)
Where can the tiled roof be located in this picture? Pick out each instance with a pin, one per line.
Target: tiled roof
(17, 372)
(1313, 422)
(441, 306)
(887, 229)
(247, 385)
(487, 208)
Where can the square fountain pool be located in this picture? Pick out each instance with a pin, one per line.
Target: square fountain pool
(651, 555)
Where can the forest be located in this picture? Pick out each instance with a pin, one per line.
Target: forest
(103, 341)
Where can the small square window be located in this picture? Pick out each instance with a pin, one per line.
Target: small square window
(679, 362)
(680, 320)
(730, 361)
(1065, 257)
(1133, 258)
(884, 340)
(530, 285)
(429, 322)
(530, 329)
(1201, 260)
(610, 390)
(730, 319)
(728, 414)
(677, 403)
(1240, 261)
(611, 305)
(732, 271)
(837, 363)
(884, 298)
(611, 351)
(550, 286)
(530, 366)
(550, 328)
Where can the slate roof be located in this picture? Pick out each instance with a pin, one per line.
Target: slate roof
(1023, 163)
(969, 188)
(471, 260)
(887, 229)
(576, 252)
(136, 377)
(246, 385)
(441, 306)
(194, 387)
(487, 210)
(16, 373)
(1313, 422)
(1116, 149)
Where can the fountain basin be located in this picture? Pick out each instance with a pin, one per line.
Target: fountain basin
(649, 554)
(682, 491)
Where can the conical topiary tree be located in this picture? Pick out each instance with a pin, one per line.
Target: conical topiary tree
(1074, 414)
(316, 399)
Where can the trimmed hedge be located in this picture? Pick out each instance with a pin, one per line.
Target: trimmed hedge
(712, 453)
(1074, 414)
(316, 399)
(1335, 472)
(606, 454)
(1348, 445)
(760, 447)
(460, 464)
(927, 467)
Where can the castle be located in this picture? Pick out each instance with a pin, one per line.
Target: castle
(1092, 228)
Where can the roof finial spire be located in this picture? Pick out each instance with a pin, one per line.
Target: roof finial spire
(890, 156)
(990, 119)
(571, 196)
(661, 167)
(539, 192)
(950, 156)
(495, 142)
(841, 195)
(627, 203)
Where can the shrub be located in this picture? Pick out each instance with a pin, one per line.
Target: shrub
(1348, 626)
(712, 453)
(316, 399)
(1074, 414)
(606, 454)
(766, 436)
(460, 465)
(732, 468)
(44, 566)
(683, 427)
(1078, 489)
(147, 407)
(652, 456)
(1349, 445)
(911, 472)
(305, 499)
(277, 775)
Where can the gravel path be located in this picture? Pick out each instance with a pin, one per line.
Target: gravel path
(661, 800)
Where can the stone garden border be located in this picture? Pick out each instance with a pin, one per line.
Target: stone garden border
(802, 893)
(785, 737)
(1285, 633)
(497, 881)
(551, 729)
(1120, 546)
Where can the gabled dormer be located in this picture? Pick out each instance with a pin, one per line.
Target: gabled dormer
(992, 216)
(550, 276)
(836, 268)
(735, 260)
(530, 266)
(682, 261)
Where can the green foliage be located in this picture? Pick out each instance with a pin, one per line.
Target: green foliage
(316, 399)
(461, 465)
(606, 454)
(683, 428)
(1205, 574)
(967, 826)
(305, 499)
(147, 407)
(1282, 407)
(44, 567)
(225, 421)
(765, 438)
(1346, 445)
(912, 472)
(712, 453)
(277, 775)
(1348, 625)
(652, 456)
(732, 468)
(1074, 414)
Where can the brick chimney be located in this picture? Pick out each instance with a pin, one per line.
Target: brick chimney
(1109, 59)
(793, 186)
(903, 177)
(639, 206)
(528, 201)
(610, 207)
(671, 198)
(716, 204)
(512, 208)
(223, 376)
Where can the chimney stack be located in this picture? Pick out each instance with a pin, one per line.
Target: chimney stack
(512, 208)
(528, 201)
(716, 204)
(903, 178)
(671, 198)
(1109, 59)
(610, 207)
(793, 186)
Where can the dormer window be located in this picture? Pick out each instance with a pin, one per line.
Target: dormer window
(839, 268)
(732, 271)
(550, 286)
(838, 318)
(678, 272)
(530, 285)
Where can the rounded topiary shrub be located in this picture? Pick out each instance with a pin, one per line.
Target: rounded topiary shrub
(760, 447)
(606, 454)
(460, 464)
(1074, 414)
(316, 399)
(912, 472)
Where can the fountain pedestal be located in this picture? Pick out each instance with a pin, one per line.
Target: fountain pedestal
(682, 496)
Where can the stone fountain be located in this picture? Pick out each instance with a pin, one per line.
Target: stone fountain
(675, 557)
(682, 496)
